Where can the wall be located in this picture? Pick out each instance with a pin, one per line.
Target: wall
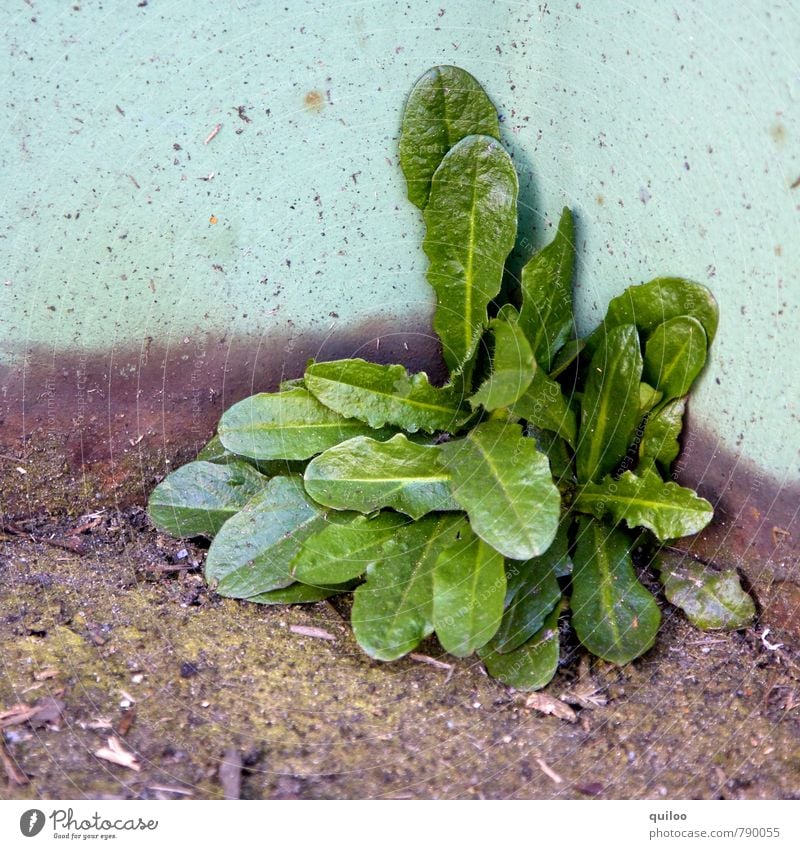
(150, 278)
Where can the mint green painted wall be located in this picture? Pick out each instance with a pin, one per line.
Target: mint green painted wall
(674, 135)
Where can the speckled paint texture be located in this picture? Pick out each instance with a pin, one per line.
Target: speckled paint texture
(132, 236)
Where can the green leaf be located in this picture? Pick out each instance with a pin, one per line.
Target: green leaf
(614, 616)
(660, 436)
(711, 600)
(215, 452)
(503, 482)
(675, 354)
(469, 587)
(252, 553)
(661, 299)
(384, 395)
(393, 611)
(557, 452)
(445, 105)
(200, 497)
(546, 315)
(302, 594)
(365, 475)
(537, 593)
(512, 368)
(531, 666)
(471, 221)
(289, 425)
(567, 356)
(610, 404)
(343, 550)
(666, 509)
(544, 405)
(648, 398)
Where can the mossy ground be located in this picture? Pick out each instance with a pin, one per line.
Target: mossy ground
(130, 621)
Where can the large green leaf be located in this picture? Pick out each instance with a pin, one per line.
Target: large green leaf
(393, 611)
(302, 593)
(471, 221)
(653, 303)
(512, 368)
(674, 355)
(546, 315)
(343, 550)
(291, 425)
(536, 594)
(384, 395)
(659, 441)
(544, 405)
(445, 105)
(252, 553)
(668, 510)
(711, 600)
(532, 665)
(610, 403)
(614, 616)
(469, 587)
(365, 475)
(215, 452)
(503, 482)
(200, 497)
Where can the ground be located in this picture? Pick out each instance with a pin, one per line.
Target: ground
(209, 696)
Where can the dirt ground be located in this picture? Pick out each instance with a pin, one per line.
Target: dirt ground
(203, 696)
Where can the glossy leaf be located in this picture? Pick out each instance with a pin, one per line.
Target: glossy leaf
(614, 616)
(543, 405)
(674, 355)
(445, 105)
(343, 550)
(648, 398)
(290, 425)
(536, 594)
(610, 404)
(660, 436)
(512, 368)
(393, 610)
(711, 600)
(546, 314)
(384, 395)
(302, 594)
(469, 587)
(215, 452)
(557, 452)
(200, 497)
(532, 665)
(253, 551)
(653, 303)
(503, 482)
(666, 509)
(365, 475)
(471, 221)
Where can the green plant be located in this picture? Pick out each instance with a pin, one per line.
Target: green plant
(484, 509)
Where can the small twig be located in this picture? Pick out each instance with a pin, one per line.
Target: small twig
(14, 773)
(164, 788)
(310, 631)
(431, 661)
(230, 773)
(548, 771)
(213, 134)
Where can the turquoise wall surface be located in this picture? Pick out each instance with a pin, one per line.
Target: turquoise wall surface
(671, 129)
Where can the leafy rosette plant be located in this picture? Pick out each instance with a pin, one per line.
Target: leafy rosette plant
(485, 509)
